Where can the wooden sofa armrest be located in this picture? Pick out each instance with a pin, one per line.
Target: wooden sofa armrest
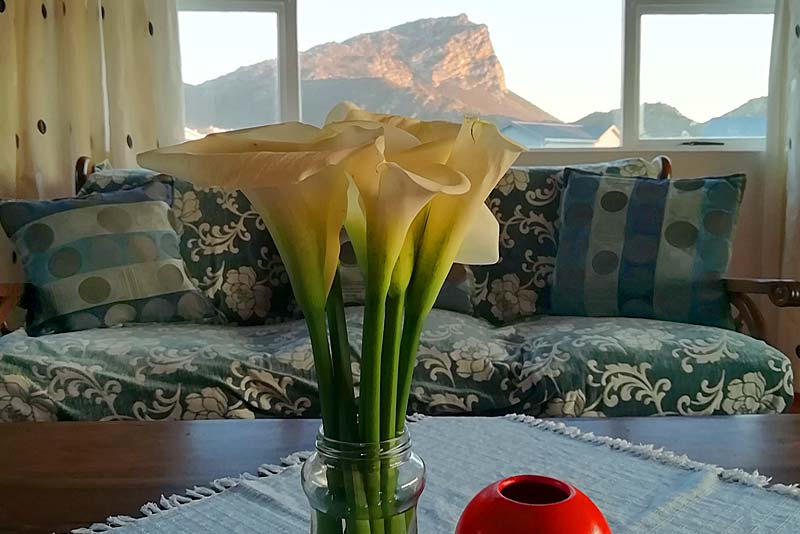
(747, 317)
(782, 293)
(9, 298)
(83, 168)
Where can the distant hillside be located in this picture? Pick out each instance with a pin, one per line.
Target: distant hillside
(749, 119)
(663, 120)
(437, 68)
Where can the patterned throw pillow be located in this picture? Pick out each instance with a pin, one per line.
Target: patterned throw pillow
(228, 252)
(527, 203)
(646, 248)
(102, 260)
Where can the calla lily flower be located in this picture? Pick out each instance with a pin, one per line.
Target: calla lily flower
(392, 182)
(411, 195)
(289, 173)
(455, 227)
(434, 141)
(483, 155)
(395, 184)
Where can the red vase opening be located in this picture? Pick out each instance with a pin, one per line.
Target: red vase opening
(531, 503)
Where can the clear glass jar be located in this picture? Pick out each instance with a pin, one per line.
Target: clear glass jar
(363, 488)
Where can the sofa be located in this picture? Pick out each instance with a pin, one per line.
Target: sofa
(491, 347)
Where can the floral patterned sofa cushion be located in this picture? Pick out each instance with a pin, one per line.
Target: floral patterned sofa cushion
(560, 366)
(227, 250)
(527, 204)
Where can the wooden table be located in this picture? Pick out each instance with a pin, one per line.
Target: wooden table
(60, 476)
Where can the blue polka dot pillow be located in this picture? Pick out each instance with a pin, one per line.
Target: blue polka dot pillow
(638, 247)
(102, 260)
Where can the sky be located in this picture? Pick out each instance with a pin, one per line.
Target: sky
(564, 56)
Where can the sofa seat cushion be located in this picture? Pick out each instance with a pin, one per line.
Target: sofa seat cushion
(585, 366)
(561, 366)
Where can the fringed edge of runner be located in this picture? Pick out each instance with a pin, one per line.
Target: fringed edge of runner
(194, 494)
(652, 452)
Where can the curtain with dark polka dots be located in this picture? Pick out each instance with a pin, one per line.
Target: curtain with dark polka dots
(143, 72)
(783, 168)
(84, 78)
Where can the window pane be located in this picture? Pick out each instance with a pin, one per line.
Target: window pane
(547, 77)
(704, 76)
(229, 70)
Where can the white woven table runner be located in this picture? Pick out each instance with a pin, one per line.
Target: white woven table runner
(639, 488)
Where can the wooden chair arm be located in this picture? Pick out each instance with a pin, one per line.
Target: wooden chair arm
(782, 293)
(83, 168)
(9, 298)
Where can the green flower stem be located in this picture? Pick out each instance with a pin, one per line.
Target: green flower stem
(422, 292)
(401, 278)
(410, 516)
(371, 345)
(343, 383)
(412, 331)
(370, 399)
(396, 524)
(392, 332)
(326, 524)
(343, 374)
(317, 330)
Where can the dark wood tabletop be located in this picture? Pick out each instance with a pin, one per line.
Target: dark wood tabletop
(58, 476)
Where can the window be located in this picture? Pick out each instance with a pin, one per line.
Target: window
(546, 77)
(233, 64)
(551, 74)
(701, 75)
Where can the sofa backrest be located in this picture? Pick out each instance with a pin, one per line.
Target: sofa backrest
(232, 258)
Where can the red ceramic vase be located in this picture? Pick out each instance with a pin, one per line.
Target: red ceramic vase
(531, 504)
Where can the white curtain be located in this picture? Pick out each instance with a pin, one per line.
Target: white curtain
(84, 77)
(783, 161)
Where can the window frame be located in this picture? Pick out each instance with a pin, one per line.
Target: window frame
(288, 59)
(633, 10)
(289, 86)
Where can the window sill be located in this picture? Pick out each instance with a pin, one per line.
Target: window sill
(560, 156)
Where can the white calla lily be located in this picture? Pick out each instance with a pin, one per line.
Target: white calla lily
(452, 226)
(290, 173)
(411, 195)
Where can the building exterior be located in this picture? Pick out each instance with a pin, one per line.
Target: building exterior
(556, 135)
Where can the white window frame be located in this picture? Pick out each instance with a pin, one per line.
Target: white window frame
(288, 57)
(631, 70)
(289, 89)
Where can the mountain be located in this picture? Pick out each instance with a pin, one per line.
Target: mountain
(598, 122)
(748, 120)
(663, 120)
(439, 68)
(660, 120)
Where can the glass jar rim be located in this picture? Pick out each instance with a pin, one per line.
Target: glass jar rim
(385, 449)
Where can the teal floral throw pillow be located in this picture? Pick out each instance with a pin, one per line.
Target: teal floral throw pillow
(102, 260)
(646, 248)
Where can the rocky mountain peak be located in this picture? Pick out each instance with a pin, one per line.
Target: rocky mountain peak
(436, 68)
(428, 52)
